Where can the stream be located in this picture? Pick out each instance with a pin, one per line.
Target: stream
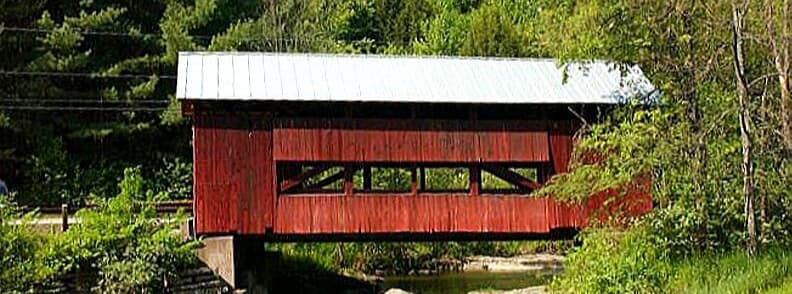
(464, 282)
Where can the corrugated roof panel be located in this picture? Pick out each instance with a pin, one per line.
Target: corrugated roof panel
(258, 81)
(181, 78)
(209, 77)
(335, 84)
(193, 80)
(225, 77)
(241, 76)
(473, 91)
(321, 77)
(302, 78)
(273, 86)
(288, 78)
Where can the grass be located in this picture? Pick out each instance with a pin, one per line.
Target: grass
(734, 273)
(784, 288)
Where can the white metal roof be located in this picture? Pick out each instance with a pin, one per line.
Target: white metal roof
(377, 78)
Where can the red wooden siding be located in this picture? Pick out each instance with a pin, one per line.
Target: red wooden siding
(257, 206)
(561, 142)
(233, 174)
(220, 166)
(235, 190)
(409, 141)
(404, 213)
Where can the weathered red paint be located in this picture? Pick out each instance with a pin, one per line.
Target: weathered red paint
(370, 140)
(233, 174)
(237, 190)
(440, 213)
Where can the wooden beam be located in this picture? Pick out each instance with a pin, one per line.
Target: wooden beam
(328, 180)
(511, 177)
(414, 181)
(544, 172)
(349, 180)
(367, 178)
(475, 180)
(288, 184)
(423, 179)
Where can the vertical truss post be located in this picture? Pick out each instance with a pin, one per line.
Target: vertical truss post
(475, 180)
(367, 178)
(349, 181)
(414, 181)
(422, 178)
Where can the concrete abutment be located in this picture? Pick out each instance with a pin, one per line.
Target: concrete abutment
(242, 262)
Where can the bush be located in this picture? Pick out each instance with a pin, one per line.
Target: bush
(21, 265)
(132, 250)
(123, 240)
(615, 262)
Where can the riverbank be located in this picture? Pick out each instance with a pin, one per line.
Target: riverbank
(520, 263)
(522, 274)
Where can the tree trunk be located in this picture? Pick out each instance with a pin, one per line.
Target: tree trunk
(779, 46)
(745, 128)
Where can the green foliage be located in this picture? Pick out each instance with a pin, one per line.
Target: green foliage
(21, 265)
(733, 273)
(638, 262)
(614, 262)
(633, 142)
(492, 33)
(174, 179)
(123, 239)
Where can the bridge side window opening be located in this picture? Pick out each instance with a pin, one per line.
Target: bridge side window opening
(445, 179)
(336, 179)
(499, 179)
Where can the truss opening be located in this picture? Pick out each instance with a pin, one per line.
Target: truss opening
(300, 178)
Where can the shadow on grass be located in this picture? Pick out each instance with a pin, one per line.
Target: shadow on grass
(299, 274)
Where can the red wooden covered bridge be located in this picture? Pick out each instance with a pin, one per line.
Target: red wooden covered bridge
(339, 147)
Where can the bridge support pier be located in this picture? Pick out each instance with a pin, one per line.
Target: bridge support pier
(240, 261)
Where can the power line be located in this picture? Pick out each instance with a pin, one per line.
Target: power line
(93, 33)
(206, 37)
(84, 75)
(46, 100)
(93, 108)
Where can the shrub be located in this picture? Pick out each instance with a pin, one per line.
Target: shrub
(615, 262)
(132, 250)
(21, 265)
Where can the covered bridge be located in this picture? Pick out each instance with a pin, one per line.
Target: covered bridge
(297, 146)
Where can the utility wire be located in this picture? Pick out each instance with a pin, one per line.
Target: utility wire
(206, 37)
(93, 33)
(60, 100)
(86, 108)
(83, 75)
